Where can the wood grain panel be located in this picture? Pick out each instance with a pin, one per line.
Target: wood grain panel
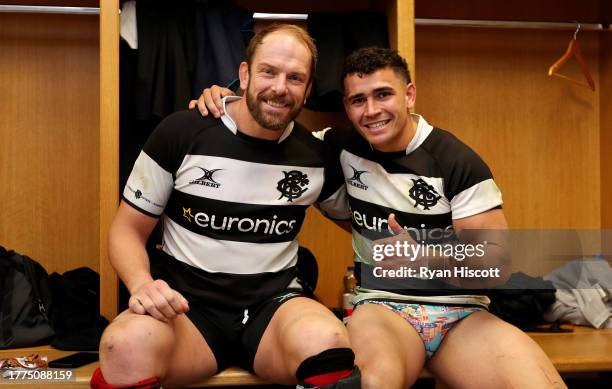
(49, 138)
(109, 148)
(605, 96)
(539, 134)
(400, 16)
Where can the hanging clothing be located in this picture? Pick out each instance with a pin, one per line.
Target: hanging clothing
(166, 57)
(128, 29)
(222, 32)
(336, 36)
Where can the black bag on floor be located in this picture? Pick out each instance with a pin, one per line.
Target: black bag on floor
(25, 300)
(522, 300)
(76, 314)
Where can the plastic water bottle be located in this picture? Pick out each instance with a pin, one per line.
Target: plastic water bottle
(350, 282)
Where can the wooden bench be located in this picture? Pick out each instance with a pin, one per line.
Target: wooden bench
(584, 350)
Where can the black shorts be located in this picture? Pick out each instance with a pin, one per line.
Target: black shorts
(233, 332)
(233, 335)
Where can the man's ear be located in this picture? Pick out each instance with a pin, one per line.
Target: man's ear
(308, 90)
(243, 74)
(345, 102)
(410, 95)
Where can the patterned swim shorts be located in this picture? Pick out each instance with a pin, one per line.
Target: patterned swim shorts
(432, 322)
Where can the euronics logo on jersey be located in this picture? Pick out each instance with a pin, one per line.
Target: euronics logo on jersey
(269, 226)
(421, 234)
(207, 178)
(423, 194)
(356, 179)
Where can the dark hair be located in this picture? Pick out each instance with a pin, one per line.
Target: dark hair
(367, 60)
(297, 32)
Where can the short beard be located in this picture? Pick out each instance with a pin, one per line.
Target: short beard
(270, 122)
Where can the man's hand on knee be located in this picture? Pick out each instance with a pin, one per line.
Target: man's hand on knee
(157, 299)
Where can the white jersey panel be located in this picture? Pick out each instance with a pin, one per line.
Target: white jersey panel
(149, 186)
(477, 199)
(219, 256)
(369, 181)
(246, 182)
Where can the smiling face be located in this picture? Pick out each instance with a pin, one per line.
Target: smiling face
(378, 106)
(278, 80)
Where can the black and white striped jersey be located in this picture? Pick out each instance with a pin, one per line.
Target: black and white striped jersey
(232, 204)
(437, 179)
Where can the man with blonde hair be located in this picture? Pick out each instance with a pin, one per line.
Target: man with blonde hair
(232, 194)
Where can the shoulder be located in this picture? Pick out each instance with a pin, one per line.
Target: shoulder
(305, 137)
(459, 165)
(186, 122)
(180, 128)
(447, 149)
(341, 138)
(454, 157)
(175, 135)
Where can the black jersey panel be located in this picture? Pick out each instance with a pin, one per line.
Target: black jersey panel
(460, 166)
(370, 220)
(232, 221)
(299, 149)
(173, 137)
(222, 289)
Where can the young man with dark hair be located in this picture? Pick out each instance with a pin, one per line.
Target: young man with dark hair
(428, 189)
(232, 194)
(439, 193)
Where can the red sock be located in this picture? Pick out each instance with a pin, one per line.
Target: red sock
(328, 378)
(98, 382)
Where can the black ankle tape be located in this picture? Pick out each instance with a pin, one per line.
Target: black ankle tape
(328, 361)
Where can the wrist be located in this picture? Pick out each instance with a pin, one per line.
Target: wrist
(137, 283)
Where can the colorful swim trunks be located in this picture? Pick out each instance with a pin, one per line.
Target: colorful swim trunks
(432, 322)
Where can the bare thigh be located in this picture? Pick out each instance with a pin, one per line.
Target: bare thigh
(389, 351)
(483, 351)
(135, 347)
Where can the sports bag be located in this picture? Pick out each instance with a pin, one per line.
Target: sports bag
(25, 300)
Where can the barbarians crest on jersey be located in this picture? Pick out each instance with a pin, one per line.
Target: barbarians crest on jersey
(207, 178)
(356, 179)
(293, 185)
(423, 194)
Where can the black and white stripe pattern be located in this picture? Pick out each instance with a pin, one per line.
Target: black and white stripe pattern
(232, 204)
(437, 179)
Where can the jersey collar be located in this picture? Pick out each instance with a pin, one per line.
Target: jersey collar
(231, 124)
(422, 132)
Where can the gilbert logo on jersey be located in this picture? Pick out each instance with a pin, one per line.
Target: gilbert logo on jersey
(356, 179)
(207, 178)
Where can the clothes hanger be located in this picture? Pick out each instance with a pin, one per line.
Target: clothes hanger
(573, 50)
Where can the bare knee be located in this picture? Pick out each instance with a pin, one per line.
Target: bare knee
(133, 348)
(379, 374)
(317, 333)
